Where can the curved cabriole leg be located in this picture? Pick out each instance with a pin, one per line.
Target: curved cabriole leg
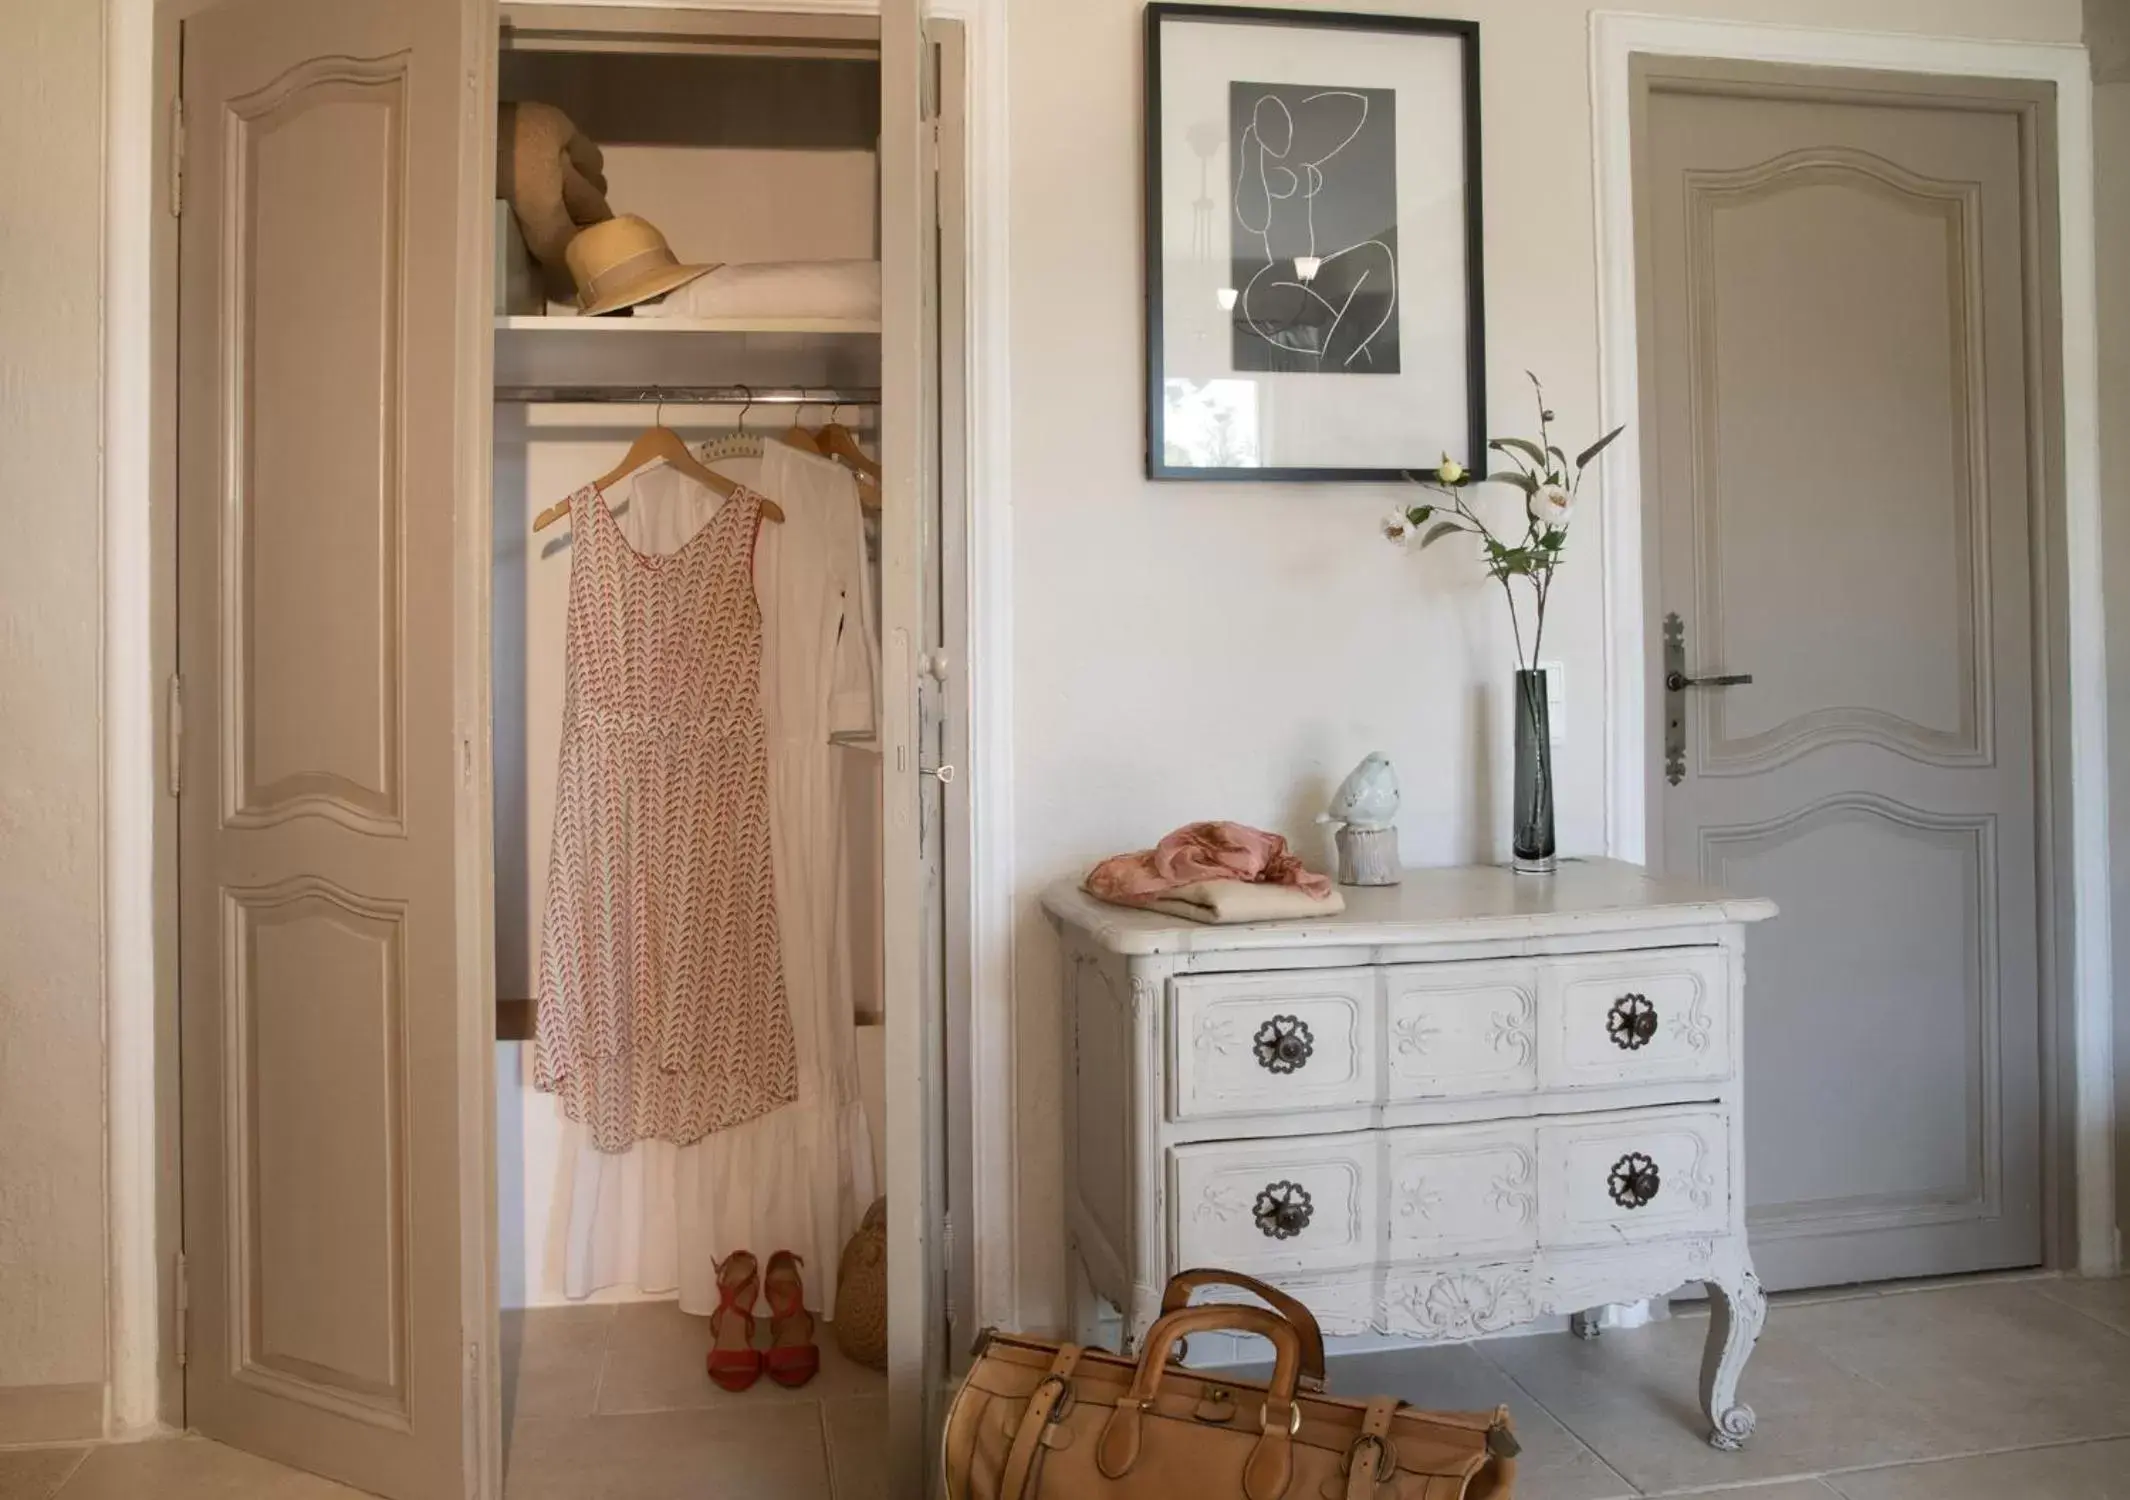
(1736, 1309)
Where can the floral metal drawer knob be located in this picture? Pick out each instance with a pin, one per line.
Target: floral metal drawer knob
(1631, 1023)
(1633, 1181)
(1283, 1044)
(1283, 1210)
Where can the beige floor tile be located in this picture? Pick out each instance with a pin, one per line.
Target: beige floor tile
(192, 1468)
(552, 1330)
(2001, 1365)
(2107, 1300)
(1788, 1489)
(1553, 1466)
(857, 1437)
(1631, 1398)
(655, 1362)
(551, 1358)
(2086, 1471)
(35, 1473)
(772, 1451)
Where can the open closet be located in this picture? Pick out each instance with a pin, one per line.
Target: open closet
(564, 607)
(723, 905)
(750, 154)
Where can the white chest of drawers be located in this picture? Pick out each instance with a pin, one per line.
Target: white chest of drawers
(1469, 1101)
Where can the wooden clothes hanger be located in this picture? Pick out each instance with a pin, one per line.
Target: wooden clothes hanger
(658, 442)
(839, 442)
(798, 437)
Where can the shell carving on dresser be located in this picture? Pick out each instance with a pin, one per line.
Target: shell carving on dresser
(1466, 1103)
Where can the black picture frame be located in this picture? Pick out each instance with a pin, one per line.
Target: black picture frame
(1467, 35)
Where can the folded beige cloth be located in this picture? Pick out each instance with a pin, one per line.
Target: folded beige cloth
(554, 178)
(1227, 902)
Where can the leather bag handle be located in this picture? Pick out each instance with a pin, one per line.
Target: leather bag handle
(1183, 1283)
(1271, 1463)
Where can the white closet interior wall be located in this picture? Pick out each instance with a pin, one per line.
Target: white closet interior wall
(734, 159)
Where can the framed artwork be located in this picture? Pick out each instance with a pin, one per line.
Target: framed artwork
(1314, 306)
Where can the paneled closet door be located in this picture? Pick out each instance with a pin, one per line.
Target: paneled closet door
(329, 1138)
(913, 916)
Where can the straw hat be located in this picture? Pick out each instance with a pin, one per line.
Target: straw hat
(623, 262)
(553, 177)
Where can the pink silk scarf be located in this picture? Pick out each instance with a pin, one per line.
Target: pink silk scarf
(1199, 852)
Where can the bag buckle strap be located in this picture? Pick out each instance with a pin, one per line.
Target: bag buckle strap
(1294, 1417)
(1061, 1404)
(1386, 1455)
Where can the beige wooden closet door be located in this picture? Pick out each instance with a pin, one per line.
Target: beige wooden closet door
(1843, 383)
(319, 434)
(914, 989)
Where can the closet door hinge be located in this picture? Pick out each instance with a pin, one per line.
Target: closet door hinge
(177, 155)
(946, 1263)
(174, 734)
(181, 1295)
(471, 1368)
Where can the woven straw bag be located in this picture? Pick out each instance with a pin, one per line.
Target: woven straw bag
(861, 1291)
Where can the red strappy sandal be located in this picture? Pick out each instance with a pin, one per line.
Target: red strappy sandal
(734, 1362)
(793, 1358)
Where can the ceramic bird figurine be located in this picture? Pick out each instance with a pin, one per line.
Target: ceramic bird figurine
(1368, 797)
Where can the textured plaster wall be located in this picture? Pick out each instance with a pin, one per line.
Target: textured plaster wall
(51, 1059)
(1192, 650)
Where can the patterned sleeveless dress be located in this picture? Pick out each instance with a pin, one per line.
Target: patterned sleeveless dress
(662, 1012)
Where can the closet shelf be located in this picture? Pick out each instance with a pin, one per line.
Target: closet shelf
(543, 351)
(537, 323)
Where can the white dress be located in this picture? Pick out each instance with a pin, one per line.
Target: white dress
(659, 1216)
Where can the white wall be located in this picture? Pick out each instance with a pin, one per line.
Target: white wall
(1188, 651)
(52, 1256)
(2108, 35)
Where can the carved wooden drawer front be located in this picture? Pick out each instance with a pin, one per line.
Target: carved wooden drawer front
(1459, 1302)
(1642, 1174)
(1245, 1043)
(1654, 1017)
(1467, 1101)
(1462, 1190)
(1277, 1205)
(1460, 1029)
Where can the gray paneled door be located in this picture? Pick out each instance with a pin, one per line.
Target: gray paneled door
(325, 1132)
(1841, 375)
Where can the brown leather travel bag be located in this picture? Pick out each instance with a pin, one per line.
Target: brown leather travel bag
(1036, 1418)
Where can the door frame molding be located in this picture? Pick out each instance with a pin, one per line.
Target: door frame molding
(138, 623)
(1615, 38)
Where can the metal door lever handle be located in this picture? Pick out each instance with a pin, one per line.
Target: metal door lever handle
(1679, 682)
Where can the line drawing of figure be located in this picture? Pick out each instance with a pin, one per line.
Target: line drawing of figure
(1314, 251)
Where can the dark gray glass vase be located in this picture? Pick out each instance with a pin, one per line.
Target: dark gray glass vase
(1532, 838)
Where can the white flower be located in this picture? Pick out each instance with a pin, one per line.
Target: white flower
(1551, 504)
(1450, 471)
(1398, 526)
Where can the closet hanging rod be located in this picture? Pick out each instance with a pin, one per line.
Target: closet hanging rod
(694, 395)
